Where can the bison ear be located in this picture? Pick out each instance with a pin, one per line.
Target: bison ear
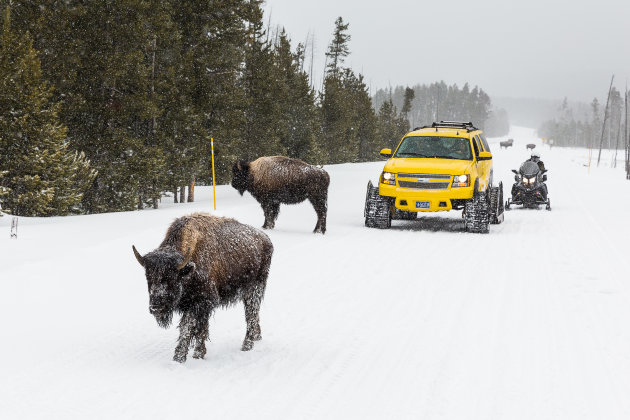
(138, 256)
(187, 270)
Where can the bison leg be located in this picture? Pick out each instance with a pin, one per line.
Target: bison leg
(186, 329)
(320, 205)
(271, 211)
(201, 335)
(193, 326)
(251, 301)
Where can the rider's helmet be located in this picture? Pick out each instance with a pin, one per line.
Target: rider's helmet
(535, 156)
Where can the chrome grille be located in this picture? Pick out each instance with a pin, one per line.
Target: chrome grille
(430, 176)
(424, 185)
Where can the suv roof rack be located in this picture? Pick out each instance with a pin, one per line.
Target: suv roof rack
(468, 126)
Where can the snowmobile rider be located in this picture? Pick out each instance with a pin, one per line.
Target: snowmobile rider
(536, 158)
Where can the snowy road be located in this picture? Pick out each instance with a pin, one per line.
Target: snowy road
(422, 321)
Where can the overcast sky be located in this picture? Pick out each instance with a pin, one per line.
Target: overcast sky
(530, 48)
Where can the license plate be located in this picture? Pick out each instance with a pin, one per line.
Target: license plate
(423, 204)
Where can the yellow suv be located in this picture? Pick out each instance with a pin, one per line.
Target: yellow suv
(441, 167)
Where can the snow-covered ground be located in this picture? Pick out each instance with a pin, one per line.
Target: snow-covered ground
(423, 321)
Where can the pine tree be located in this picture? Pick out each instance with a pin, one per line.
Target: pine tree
(41, 176)
(264, 122)
(296, 101)
(338, 49)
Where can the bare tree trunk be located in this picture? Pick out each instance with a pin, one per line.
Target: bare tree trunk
(614, 163)
(627, 140)
(601, 140)
(182, 194)
(175, 195)
(191, 190)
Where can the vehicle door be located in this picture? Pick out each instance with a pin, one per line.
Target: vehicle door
(484, 166)
(490, 163)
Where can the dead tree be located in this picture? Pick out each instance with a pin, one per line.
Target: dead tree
(601, 140)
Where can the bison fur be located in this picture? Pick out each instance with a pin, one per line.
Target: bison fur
(203, 263)
(275, 180)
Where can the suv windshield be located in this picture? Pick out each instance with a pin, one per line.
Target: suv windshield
(434, 147)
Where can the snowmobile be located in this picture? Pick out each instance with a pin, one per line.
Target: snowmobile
(530, 189)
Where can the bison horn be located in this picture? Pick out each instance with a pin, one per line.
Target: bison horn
(138, 256)
(186, 259)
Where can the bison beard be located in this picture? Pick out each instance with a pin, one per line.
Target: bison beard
(205, 262)
(164, 320)
(275, 180)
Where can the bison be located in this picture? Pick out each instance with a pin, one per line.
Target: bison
(275, 180)
(530, 146)
(506, 144)
(203, 263)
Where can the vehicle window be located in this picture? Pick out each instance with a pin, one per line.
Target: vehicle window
(476, 146)
(434, 147)
(486, 146)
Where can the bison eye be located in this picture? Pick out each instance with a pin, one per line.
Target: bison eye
(187, 269)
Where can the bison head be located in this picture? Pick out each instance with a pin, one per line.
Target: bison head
(240, 173)
(166, 271)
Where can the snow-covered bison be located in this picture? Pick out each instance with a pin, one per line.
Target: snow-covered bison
(205, 262)
(506, 143)
(275, 180)
(530, 146)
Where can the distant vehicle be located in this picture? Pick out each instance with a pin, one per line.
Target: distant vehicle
(506, 143)
(441, 167)
(530, 146)
(530, 189)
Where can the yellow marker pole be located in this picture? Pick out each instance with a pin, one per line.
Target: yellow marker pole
(214, 191)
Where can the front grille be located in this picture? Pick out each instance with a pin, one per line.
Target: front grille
(424, 185)
(431, 176)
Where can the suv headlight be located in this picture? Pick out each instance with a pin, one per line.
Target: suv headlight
(388, 178)
(461, 180)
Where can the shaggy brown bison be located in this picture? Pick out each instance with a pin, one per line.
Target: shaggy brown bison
(205, 262)
(275, 180)
(506, 143)
(530, 146)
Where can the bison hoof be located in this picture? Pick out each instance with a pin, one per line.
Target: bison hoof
(247, 345)
(179, 358)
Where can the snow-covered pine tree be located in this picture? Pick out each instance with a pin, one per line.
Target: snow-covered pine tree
(297, 103)
(41, 175)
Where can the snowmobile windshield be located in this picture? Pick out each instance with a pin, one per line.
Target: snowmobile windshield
(529, 169)
(434, 147)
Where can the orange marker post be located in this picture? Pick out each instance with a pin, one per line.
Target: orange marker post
(214, 191)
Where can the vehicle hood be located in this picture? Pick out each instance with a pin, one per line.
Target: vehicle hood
(429, 166)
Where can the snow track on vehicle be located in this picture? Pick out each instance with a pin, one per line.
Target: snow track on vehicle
(423, 320)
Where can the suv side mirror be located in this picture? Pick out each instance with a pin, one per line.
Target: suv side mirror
(543, 171)
(484, 156)
(386, 153)
(544, 178)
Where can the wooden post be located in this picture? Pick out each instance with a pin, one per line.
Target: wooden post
(601, 140)
(14, 227)
(214, 192)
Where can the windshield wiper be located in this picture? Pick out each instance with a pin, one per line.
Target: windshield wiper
(412, 154)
